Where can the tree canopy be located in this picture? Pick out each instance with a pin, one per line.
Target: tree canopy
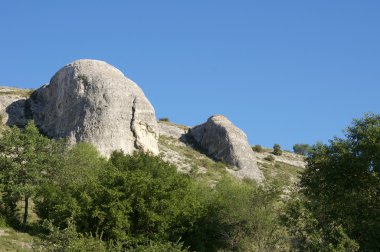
(342, 182)
(26, 157)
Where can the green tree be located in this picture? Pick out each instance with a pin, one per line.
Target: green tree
(277, 150)
(240, 216)
(72, 188)
(302, 149)
(26, 156)
(308, 234)
(342, 184)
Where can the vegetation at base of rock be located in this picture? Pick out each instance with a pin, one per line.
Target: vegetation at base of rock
(138, 202)
(277, 150)
(26, 157)
(126, 198)
(141, 203)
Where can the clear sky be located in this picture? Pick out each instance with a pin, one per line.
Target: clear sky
(284, 71)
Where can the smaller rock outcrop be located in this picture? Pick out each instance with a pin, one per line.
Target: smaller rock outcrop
(13, 105)
(225, 142)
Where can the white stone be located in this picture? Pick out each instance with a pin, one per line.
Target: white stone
(92, 101)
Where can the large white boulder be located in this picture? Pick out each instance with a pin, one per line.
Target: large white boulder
(92, 101)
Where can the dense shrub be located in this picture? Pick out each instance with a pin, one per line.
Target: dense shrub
(257, 148)
(308, 234)
(277, 150)
(144, 204)
(133, 198)
(26, 159)
(240, 217)
(69, 240)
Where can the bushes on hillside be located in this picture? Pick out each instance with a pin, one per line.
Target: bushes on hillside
(129, 198)
(257, 148)
(277, 150)
(141, 201)
(240, 216)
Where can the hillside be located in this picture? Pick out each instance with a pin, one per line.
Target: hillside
(97, 110)
(177, 149)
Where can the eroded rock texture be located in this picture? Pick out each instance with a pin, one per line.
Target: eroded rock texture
(225, 142)
(92, 101)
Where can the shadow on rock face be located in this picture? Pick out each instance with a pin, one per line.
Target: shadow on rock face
(18, 113)
(225, 142)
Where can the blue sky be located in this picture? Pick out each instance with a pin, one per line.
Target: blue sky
(284, 71)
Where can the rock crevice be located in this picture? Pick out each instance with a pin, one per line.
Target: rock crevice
(132, 125)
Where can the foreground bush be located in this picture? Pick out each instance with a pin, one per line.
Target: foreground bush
(133, 198)
(69, 240)
(25, 160)
(240, 217)
(143, 203)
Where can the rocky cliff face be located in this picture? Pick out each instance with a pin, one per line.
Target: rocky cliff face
(225, 142)
(92, 101)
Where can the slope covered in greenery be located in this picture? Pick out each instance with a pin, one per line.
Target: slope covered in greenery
(72, 199)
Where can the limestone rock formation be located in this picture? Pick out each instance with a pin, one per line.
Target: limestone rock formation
(13, 107)
(223, 141)
(92, 101)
